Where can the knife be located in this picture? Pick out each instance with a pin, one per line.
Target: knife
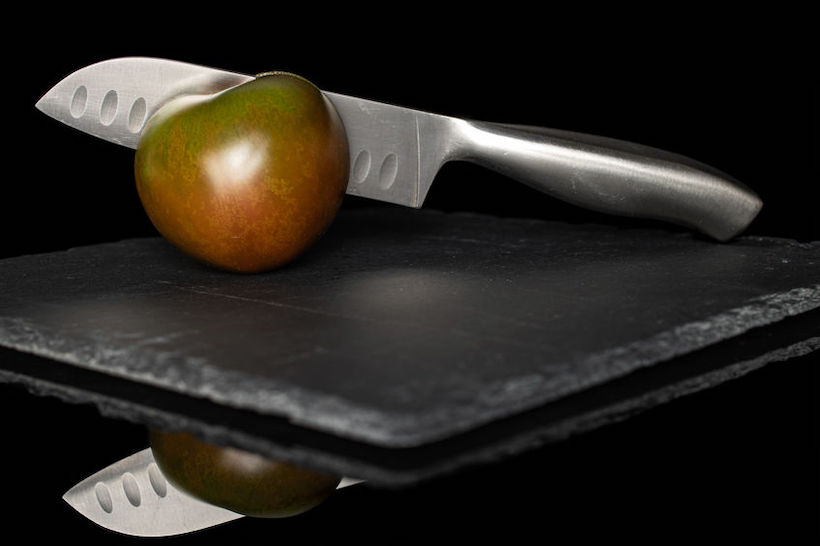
(396, 152)
(133, 497)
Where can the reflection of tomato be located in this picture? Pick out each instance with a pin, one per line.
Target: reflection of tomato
(238, 480)
(247, 179)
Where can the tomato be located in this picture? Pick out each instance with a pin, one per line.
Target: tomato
(245, 180)
(238, 480)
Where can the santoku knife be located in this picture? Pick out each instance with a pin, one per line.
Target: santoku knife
(396, 151)
(133, 497)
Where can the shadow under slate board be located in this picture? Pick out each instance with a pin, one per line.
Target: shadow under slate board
(407, 343)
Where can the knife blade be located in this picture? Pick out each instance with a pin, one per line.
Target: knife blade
(133, 497)
(396, 152)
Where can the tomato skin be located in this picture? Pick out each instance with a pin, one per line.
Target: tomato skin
(237, 480)
(248, 179)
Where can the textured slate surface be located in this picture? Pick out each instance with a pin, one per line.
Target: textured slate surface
(403, 326)
(793, 338)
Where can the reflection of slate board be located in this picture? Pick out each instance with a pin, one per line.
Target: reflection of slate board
(408, 328)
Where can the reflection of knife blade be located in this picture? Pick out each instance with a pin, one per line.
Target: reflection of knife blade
(396, 152)
(133, 497)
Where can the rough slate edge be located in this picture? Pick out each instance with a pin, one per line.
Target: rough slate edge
(377, 475)
(679, 341)
(365, 424)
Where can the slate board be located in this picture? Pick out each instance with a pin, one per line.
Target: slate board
(404, 328)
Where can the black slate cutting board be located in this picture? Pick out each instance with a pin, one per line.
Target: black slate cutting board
(404, 328)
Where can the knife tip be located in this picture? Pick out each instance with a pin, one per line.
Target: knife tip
(46, 104)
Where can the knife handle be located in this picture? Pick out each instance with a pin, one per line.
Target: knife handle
(611, 176)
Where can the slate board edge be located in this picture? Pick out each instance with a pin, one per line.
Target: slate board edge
(141, 414)
(336, 416)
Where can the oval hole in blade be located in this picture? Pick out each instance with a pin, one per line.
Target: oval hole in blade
(104, 497)
(136, 117)
(79, 100)
(387, 173)
(131, 489)
(158, 483)
(361, 167)
(108, 108)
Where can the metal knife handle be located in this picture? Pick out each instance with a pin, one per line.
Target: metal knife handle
(611, 176)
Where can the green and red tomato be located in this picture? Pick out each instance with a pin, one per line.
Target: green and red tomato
(245, 180)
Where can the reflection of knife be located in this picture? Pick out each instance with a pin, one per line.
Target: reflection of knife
(396, 152)
(133, 497)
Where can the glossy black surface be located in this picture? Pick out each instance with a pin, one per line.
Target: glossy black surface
(735, 462)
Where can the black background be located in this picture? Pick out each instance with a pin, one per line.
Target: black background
(736, 462)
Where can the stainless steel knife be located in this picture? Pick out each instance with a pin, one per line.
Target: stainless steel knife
(133, 497)
(396, 152)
